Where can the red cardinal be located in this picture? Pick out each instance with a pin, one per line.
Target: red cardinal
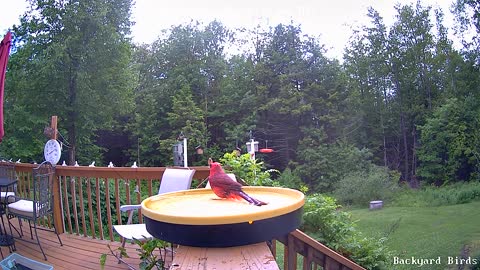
(225, 187)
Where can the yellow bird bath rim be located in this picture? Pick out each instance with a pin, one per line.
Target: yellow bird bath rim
(198, 217)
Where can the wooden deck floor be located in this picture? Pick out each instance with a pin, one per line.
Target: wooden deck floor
(77, 252)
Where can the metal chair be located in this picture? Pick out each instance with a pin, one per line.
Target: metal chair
(8, 187)
(7, 171)
(37, 207)
(172, 180)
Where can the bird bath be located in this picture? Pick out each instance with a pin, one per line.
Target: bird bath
(197, 217)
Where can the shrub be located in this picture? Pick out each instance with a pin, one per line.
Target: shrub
(290, 179)
(450, 142)
(457, 193)
(335, 228)
(360, 187)
(149, 259)
(251, 171)
(322, 164)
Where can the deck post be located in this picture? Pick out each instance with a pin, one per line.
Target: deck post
(57, 209)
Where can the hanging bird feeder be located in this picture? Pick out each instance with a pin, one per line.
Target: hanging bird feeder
(266, 150)
(199, 150)
(252, 146)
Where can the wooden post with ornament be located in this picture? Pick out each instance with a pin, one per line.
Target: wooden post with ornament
(57, 210)
(53, 126)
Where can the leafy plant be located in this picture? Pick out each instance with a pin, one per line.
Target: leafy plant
(335, 228)
(360, 187)
(290, 179)
(146, 251)
(249, 170)
(147, 255)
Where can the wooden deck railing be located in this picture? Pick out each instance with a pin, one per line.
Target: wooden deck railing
(312, 254)
(88, 199)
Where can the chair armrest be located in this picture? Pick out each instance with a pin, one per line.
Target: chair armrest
(130, 207)
(14, 198)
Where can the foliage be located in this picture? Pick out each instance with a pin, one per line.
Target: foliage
(296, 86)
(397, 76)
(72, 60)
(450, 143)
(468, 20)
(388, 103)
(146, 250)
(249, 170)
(335, 228)
(149, 259)
(374, 183)
(289, 179)
(187, 120)
(180, 78)
(323, 165)
(457, 193)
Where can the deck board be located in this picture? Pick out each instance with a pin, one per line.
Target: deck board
(77, 252)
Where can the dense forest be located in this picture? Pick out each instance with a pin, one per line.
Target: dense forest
(403, 97)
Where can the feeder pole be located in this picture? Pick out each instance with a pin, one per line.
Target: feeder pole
(252, 150)
(185, 162)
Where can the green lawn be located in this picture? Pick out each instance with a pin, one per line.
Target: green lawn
(426, 232)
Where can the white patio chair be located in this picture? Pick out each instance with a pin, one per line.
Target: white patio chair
(172, 180)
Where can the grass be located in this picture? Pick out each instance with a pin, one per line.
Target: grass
(425, 232)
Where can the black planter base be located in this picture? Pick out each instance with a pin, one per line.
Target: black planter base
(225, 235)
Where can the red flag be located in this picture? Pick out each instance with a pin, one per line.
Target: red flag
(4, 52)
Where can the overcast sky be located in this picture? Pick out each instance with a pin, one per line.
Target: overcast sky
(329, 19)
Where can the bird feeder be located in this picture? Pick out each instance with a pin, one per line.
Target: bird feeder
(252, 146)
(199, 150)
(266, 150)
(237, 151)
(180, 151)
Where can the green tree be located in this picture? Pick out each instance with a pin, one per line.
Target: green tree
(397, 76)
(73, 60)
(467, 16)
(321, 164)
(186, 119)
(186, 58)
(233, 112)
(411, 46)
(296, 86)
(450, 142)
(368, 67)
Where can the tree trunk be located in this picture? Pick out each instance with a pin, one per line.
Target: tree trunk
(405, 147)
(72, 112)
(414, 152)
(385, 163)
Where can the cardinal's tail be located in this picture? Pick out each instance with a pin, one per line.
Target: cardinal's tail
(250, 199)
